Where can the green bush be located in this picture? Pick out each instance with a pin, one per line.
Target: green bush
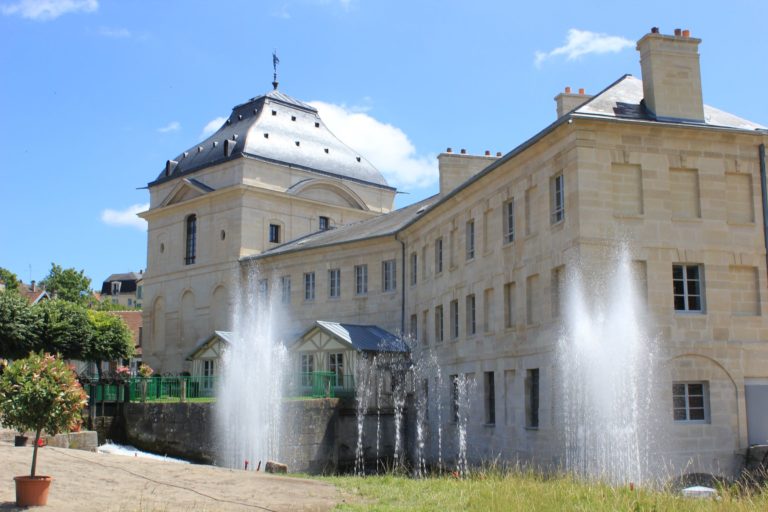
(40, 393)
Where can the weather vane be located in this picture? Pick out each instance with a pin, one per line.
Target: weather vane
(275, 62)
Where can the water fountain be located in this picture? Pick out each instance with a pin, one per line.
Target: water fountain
(250, 390)
(606, 359)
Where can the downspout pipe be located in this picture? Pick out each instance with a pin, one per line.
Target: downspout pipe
(764, 190)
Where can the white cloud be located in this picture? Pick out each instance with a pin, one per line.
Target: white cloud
(43, 10)
(384, 145)
(584, 42)
(126, 217)
(173, 126)
(116, 33)
(212, 126)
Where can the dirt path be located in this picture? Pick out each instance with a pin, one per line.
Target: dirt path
(85, 481)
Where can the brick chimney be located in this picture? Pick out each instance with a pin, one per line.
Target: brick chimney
(567, 101)
(671, 76)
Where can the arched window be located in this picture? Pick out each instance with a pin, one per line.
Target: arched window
(191, 239)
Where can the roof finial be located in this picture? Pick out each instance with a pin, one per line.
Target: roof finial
(275, 62)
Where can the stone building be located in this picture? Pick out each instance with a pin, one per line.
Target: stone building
(476, 272)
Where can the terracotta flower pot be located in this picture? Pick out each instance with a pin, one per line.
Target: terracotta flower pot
(32, 491)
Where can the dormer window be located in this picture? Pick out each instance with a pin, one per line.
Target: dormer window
(115, 287)
(325, 223)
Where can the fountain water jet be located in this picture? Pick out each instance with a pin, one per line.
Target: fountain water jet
(250, 390)
(606, 357)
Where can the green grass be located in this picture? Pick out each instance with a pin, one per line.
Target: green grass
(526, 491)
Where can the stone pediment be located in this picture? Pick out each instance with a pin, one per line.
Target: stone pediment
(185, 190)
(328, 191)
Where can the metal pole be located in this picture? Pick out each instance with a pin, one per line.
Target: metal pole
(764, 190)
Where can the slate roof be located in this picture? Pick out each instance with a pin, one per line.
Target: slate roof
(368, 338)
(383, 225)
(622, 100)
(276, 128)
(127, 282)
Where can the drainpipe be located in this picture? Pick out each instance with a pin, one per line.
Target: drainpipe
(764, 190)
(402, 284)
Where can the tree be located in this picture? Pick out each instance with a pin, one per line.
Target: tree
(111, 339)
(68, 284)
(65, 328)
(19, 325)
(10, 279)
(40, 393)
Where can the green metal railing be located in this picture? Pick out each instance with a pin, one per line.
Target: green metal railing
(152, 389)
(325, 384)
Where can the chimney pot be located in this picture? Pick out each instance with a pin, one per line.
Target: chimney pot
(654, 30)
(487, 152)
(463, 151)
(498, 153)
(568, 89)
(33, 286)
(581, 91)
(678, 32)
(686, 33)
(449, 150)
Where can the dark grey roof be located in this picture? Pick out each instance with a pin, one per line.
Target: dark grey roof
(382, 225)
(276, 128)
(622, 100)
(369, 338)
(127, 282)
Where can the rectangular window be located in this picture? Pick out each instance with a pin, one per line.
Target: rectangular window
(488, 310)
(454, 319)
(532, 398)
(557, 199)
(414, 273)
(509, 221)
(439, 323)
(424, 321)
(414, 331)
(470, 307)
(285, 287)
(509, 305)
(438, 255)
(530, 227)
(688, 287)
(453, 381)
(336, 365)
(139, 291)
(389, 275)
(532, 299)
(274, 233)
(423, 263)
(470, 239)
(334, 283)
(307, 368)
(309, 286)
(490, 398)
(690, 401)
(324, 223)
(558, 283)
(191, 247)
(263, 288)
(361, 279)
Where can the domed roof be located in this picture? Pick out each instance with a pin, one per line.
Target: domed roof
(276, 128)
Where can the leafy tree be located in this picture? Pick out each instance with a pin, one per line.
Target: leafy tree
(19, 324)
(68, 284)
(40, 393)
(107, 305)
(111, 339)
(65, 328)
(10, 279)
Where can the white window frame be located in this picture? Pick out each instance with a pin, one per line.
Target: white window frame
(681, 402)
(285, 286)
(336, 365)
(683, 290)
(557, 198)
(509, 221)
(470, 239)
(361, 279)
(309, 286)
(471, 309)
(334, 283)
(439, 255)
(389, 275)
(307, 368)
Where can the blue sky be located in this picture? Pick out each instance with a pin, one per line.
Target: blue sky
(95, 95)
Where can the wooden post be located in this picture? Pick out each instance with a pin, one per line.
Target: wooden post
(183, 394)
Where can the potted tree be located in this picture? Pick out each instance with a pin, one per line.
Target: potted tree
(39, 393)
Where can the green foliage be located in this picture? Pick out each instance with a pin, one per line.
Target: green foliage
(40, 393)
(19, 325)
(10, 279)
(65, 328)
(68, 284)
(111, 339)
(107, 305)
